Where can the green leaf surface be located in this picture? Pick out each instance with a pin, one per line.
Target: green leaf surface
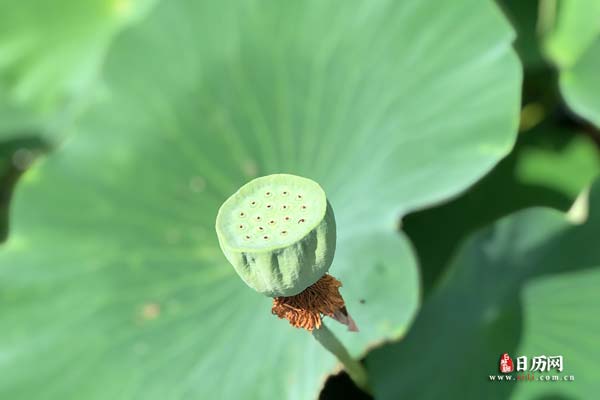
(549, 166)
(486, 305)
(580, 85)
(112, 282)
(569, 27)
(51, 50)
(561, 160)
(572, 42)
(50, 56)
(558, 312)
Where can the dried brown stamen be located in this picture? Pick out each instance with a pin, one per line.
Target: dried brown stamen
(305, 309)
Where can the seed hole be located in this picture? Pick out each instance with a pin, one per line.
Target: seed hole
(303, 206)
(268, 194)
(260, 228)
(301, 220)
(241, 226)
(284, 193)
(299, 196)
(284, 233)
(284, 207)
(253, 203)
(272, 222)
(247, 237)
(286, 218)
(266, 237)
(258, 218)
(269, 206)
(242, 214)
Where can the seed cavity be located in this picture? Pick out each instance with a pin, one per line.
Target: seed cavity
(267, 213)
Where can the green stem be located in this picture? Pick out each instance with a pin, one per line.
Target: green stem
(353, 367)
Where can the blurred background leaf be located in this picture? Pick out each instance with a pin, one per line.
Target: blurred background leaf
(390, 106)
(571, 40)
(556, 310)
(549, 166)
(554, 159)
(487, 305)
(51, 51)
(580, 85)
(569, 28)
(463, 328)
(20, 143)
(523, 17)
(50, 59)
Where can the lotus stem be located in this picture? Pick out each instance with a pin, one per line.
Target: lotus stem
(353, 367)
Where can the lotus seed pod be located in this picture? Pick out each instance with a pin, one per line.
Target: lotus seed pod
(278, 232)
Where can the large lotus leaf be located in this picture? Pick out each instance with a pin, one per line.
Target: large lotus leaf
(486, 305)
(549, 166)
(113, 285)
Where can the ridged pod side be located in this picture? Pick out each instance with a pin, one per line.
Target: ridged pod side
(271, 262)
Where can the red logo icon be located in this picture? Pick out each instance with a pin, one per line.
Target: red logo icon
(506, 364)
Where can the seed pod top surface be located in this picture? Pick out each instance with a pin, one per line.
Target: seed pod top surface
(278, 231)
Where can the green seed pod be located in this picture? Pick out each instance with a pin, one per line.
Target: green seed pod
(278, 232)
